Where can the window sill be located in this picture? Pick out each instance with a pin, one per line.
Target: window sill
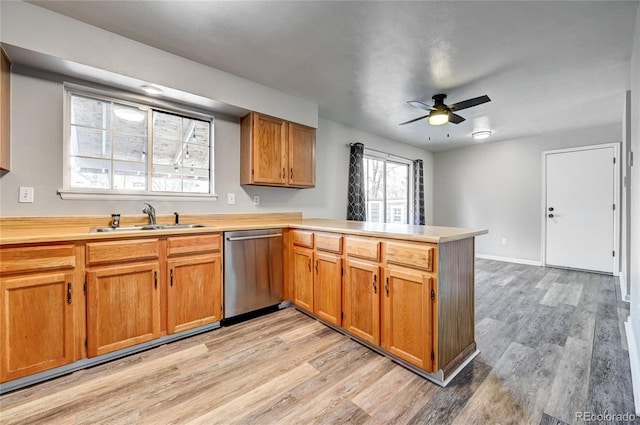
(83, 195)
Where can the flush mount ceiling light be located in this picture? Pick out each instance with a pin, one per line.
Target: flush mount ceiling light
(129, 114)
(438, 117)
(151, 90)
(479, 135)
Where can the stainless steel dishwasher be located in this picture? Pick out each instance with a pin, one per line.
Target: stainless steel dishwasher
(253, 275)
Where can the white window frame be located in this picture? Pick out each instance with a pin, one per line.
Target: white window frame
(68, 193)
(387, 157)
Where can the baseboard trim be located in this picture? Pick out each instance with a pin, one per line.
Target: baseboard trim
(635, 363)
(623, 288)
(510, 260)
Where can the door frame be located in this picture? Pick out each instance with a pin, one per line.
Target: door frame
(616, 199)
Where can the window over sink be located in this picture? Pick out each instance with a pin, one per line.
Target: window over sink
(124, 147)
(387, 188)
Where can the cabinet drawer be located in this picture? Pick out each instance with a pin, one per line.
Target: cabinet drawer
(329, 242)
(302, 238)
(363, 248)
(419, 256)
(193, 244)
(37, 258)
(137, 249)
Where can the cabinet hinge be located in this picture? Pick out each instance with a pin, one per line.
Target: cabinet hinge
(614, 159)
(252, 171)
(84, 287)
(433, 355)
(614, 207)
(342, 315)
(86, 343)
(433, 295)
(613, 253)
(343, 271)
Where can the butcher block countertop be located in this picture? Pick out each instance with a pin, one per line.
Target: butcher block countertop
(21, 230)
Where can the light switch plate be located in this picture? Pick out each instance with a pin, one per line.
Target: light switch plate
(25, 194)
(231, 198)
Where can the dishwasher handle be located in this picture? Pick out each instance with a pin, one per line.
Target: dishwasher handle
(246, 238)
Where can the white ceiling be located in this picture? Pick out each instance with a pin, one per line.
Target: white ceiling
(546, 65)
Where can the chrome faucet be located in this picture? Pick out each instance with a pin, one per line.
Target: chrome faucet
(151, 212)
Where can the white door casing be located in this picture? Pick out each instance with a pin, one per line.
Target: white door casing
(581, 208)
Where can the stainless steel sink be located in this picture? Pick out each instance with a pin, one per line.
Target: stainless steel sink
(146, 227)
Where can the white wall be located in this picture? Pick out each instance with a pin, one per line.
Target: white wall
(498, 186)
(633, 328)
(58, 37)
(37, 119)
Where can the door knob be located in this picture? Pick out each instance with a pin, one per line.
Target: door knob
(550, 216)
(550, 208)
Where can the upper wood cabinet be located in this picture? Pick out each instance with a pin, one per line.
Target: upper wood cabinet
(5, 111)
(274, 152)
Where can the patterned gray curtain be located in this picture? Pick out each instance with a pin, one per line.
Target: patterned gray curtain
(356, 201)
(418, 192)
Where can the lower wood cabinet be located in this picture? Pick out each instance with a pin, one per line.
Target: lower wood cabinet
(37, 323)
(327, 299)
(302, 267)
(39, 298)
(362, 300)
(194, 292)
(123, 306)
(408, 316)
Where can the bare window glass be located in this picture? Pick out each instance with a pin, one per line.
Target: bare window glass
(387, 190)
(110, 142)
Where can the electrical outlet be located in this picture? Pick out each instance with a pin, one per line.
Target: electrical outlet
(231, 198)
(504, 241)
(25, 194)
(256, 200)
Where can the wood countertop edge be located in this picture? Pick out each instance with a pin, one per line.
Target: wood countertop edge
(83, 234)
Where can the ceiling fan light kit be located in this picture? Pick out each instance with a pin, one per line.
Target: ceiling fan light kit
(440, 113)
(482, 134)
(438, 117)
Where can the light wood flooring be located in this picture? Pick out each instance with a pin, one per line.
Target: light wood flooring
(552, 344)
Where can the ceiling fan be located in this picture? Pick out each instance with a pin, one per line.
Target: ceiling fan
(441, 113)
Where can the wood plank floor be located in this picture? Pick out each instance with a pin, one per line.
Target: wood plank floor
(552, 344)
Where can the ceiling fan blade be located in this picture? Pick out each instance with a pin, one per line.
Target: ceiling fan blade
(454, 118)
(421, 105)
(469, 103)
(413, 120)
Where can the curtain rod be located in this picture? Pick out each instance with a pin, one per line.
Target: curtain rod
(382, 152)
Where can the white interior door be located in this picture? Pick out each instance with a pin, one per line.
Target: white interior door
(580, 216)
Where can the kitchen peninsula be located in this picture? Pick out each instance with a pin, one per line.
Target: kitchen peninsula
(404, 291)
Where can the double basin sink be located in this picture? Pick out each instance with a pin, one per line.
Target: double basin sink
(146, 227)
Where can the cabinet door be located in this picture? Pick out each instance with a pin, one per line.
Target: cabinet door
(123, 306)
(269, 150)
(195, 291)
(303, 277)
(37, 323)
(362, 300)
(327, 300)
(302, 156)
(407, 317)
